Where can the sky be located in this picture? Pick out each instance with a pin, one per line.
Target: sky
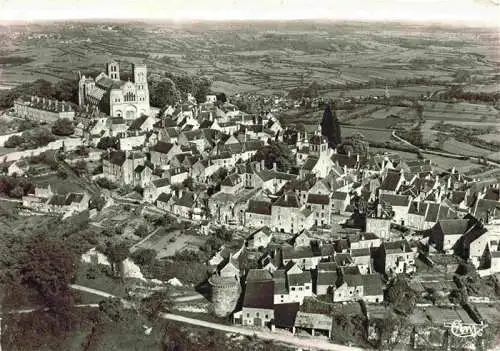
(484, 12)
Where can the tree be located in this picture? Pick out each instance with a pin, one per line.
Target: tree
(108, 142)
(201, 88)
(355, 144)
(144, 257)
(48, 268)
(63, 127)
(17, 192)
(116, 253)
(113, 308)
(273, 153)
(221, 97)
(141, 231)
(401, 296)
(159, 301)
(164, 93)
(14, 141)
(330, 127)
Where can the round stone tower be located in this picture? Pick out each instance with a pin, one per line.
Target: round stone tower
(225, 294)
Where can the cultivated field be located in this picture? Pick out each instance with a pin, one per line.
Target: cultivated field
(264, 57)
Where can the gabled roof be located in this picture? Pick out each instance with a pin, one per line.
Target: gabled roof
(299, 279)
(117, 157)
(138, 122)
(162, 147)
(327, 278)
(258, 275)
(231, 180)
(340, 195)
(372, 284)
(259, 207)
(318, 199)
(285, 314)
(287, 200)
(391, 181)
(164, 197)
(395, 200)
(259, 295)
(268, 174)
(162, 182)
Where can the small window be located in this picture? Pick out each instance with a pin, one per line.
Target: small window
(257, 314)
(248, 315)
(300, 288)
(267, 316)
(307, 287)
(293, 288)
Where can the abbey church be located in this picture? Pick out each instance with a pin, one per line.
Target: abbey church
(127, 99)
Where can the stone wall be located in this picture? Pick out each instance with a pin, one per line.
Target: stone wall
(225, 295)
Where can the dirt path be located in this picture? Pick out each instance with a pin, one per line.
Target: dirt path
(287, 338)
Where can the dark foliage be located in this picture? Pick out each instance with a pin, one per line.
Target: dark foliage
(63, 127)
(275, 153)
(108, 142)
(330, 127)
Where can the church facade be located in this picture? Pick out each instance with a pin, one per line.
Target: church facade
(117, 98)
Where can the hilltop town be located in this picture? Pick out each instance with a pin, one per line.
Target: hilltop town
(252, 222)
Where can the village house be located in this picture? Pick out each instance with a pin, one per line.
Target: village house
(258, 214)
(155, 188)
(363, 241)
(326, 281)
(354, 287)
(163, 152)
(232, 184)
(184, 203)
(395, 257)
(314, 322)
(400, 205)
(258, 305)
(260, 238)
(340, 201)
(287, 215)
(321, 207)
(120, 166)
(299, 283)
(446, 233)
(143, 175)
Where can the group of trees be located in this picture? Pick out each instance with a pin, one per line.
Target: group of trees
(63, 90)
(16, 187)
(172, 88)
(63, 127)
(275, 153)
(31, 139)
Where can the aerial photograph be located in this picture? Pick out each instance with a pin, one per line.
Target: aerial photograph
(249, 175)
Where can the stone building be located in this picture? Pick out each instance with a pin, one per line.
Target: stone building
(225, 294)
(117, 98)
(43, 109)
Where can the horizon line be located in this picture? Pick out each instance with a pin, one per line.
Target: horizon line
(434, 22)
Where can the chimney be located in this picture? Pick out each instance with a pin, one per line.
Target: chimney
(379, 210)
(335, 151)
(357, 158)
(274, 166)
(348, 153)
(286, 197)
(180, 193)
(32, 98)
(418, 206)
(262, 165)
